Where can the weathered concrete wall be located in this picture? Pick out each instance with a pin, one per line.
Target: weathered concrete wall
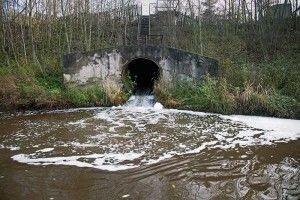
(106, 66)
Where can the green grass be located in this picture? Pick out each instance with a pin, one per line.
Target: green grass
(28, 86)
(91, 96)
(217, 95)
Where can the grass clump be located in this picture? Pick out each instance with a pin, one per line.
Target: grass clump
(217, 95)
(29, 86)
(209, 95)
(91, 96)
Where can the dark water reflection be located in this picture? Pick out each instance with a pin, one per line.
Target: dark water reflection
(164, 154)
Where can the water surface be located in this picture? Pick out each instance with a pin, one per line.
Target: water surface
(146, 153)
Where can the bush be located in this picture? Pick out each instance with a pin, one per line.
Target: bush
(209, 95)
(216, 95)
(91, 96)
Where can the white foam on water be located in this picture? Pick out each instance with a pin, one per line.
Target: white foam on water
(126, 196)
(142, 138)
(276, 128)
(82, 123)
(45, 150)
(110, 161)
(158, 106)
(70, 110)
(201, 147)
(12, 148)
(78, 144)
(189, 112)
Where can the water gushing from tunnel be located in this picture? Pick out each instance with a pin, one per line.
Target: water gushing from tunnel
(143, 73)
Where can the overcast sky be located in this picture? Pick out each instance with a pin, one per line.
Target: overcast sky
(146, 5)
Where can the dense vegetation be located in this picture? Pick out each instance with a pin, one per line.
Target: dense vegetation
(258, 55)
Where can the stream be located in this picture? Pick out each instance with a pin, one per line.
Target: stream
(147, 152)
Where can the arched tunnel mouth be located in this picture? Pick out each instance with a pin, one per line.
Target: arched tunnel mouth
(143, 73)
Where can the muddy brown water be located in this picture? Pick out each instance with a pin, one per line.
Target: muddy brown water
(138, 153)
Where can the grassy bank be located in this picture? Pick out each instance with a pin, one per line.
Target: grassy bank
(270, 88)
(40, 86)
(218, 96)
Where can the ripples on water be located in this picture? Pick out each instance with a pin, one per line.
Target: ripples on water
(177, 154)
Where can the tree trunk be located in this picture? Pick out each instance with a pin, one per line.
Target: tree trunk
(1, 11)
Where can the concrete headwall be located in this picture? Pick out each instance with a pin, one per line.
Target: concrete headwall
(106, 66)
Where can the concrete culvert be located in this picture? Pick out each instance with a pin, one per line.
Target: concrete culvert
(143, 72)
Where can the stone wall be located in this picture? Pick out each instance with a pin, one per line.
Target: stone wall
(107, 66)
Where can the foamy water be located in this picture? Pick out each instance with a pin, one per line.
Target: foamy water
(129, 137)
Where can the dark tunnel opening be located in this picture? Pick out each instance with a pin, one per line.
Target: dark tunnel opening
(143, 72)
